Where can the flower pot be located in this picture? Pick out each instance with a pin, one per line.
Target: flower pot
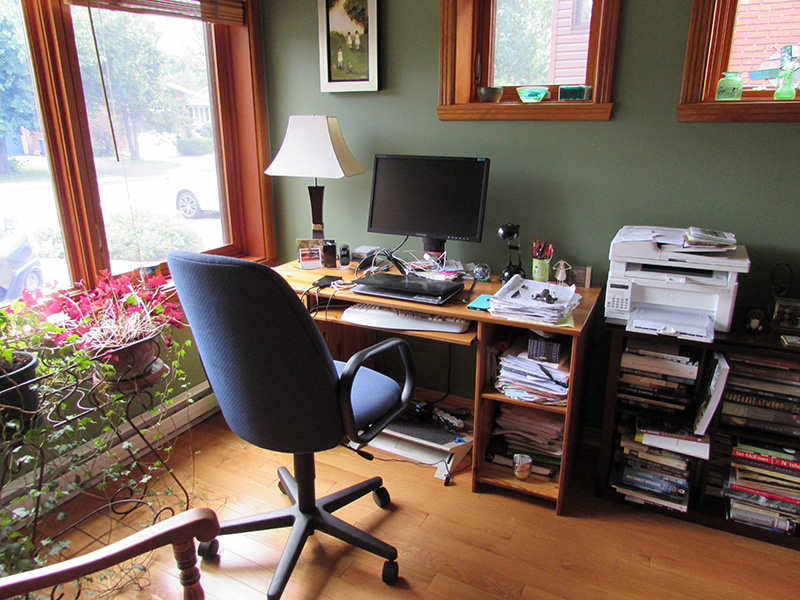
(135, 365)
(16, 391)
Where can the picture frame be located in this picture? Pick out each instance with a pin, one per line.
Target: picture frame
(348, 46)
(786, 315)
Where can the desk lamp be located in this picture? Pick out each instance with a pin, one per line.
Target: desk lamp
(510, 233)
(314, 147)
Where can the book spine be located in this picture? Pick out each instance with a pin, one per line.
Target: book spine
(760, 500)
(761, 425)
(766, 373)
(658, 365)
(774, 472)
(760, 359)
(762, 401)
(770, 495)
(753, 518)
(643, 373)
(757, 386)
(680, 475)
(766, 460)
(760, 414)
(675, 463)
(657, 482)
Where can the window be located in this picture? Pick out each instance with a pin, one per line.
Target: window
(160, 146)
(511, 43)
(752, 38)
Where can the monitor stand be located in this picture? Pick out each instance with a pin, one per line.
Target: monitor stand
(432, 248)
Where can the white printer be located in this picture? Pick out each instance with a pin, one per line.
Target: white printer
(660, 285)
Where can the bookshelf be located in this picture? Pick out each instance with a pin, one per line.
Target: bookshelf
(710, 484)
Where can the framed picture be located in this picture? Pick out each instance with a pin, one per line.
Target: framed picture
(786, 315)
(348, 45)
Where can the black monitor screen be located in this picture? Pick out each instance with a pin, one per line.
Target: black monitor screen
(434, 197)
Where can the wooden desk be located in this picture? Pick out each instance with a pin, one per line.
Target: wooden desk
(484, 329)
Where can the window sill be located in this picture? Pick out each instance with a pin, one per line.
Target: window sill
(740, 111)
(517, 111)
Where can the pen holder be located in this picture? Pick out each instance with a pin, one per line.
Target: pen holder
(541, 269)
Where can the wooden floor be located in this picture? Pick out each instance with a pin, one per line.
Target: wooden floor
(455, 544)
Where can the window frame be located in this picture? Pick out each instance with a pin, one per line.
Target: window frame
(707, 54)
(240, 95)
(466, 30)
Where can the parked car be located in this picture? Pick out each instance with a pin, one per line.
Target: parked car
(196, 188)
(20, 267)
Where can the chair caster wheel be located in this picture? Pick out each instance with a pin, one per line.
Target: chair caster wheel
(208, 550)
(390, 572)
(381, 497)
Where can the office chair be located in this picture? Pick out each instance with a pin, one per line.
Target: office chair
(279, 389)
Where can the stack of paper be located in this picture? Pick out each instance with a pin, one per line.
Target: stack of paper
(530, 431)
(528, 300)
(522, 378)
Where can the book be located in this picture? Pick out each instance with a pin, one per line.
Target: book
(758, 491)
(709, 237)
(752, 497)
(779, 428)
(685, 380)
(713, 394)
(760, 414)
(674, 396)
(762, 401)
(780, 362)
(772, 521)
(767, 449)
(659, 347)
(766, 459)
(675, 439)
(656, 406)
(655, 482)
(656, 455)
(767, 373)
(652, 364)
(762, 385)
(644, 497)
(638, 463)
(792, 476)
(649, 382)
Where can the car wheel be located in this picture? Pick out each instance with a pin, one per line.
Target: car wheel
(33, 279)
(187, 204)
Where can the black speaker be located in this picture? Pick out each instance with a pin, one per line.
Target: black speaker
(329, 254)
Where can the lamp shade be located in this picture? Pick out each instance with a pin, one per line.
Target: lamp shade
(314, 147)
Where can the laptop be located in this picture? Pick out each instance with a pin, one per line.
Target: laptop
(411, 288)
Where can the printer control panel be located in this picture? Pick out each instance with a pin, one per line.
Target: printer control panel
(618, 297)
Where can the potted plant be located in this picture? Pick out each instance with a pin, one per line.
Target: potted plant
(117, 323)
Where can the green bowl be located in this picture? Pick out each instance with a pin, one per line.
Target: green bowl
(532, 93)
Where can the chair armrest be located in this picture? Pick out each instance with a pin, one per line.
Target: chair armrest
(180, 531)
(346, 385)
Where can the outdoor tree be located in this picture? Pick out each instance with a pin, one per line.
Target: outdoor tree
(132, 73)
(17, 108)
(522, 45)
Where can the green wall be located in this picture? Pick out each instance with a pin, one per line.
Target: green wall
(572, 183)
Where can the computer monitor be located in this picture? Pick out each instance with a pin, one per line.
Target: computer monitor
(437, 198)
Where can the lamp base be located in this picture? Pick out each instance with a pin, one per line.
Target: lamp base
(316, 192)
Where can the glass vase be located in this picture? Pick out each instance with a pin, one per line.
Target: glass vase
(729, 87)
(785, 90)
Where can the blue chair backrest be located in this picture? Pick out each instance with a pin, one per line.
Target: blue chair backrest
(264, 356)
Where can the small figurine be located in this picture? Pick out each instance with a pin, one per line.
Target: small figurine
(755, 321)
(562, 267)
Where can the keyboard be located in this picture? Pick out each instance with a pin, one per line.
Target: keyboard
(395, 318)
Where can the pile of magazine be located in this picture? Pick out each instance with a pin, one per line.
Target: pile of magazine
(522, 431)
(526, 379)
(528, 300)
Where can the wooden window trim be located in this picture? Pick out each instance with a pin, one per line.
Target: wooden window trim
(708, 50)
(464, 27)
(241, 96)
